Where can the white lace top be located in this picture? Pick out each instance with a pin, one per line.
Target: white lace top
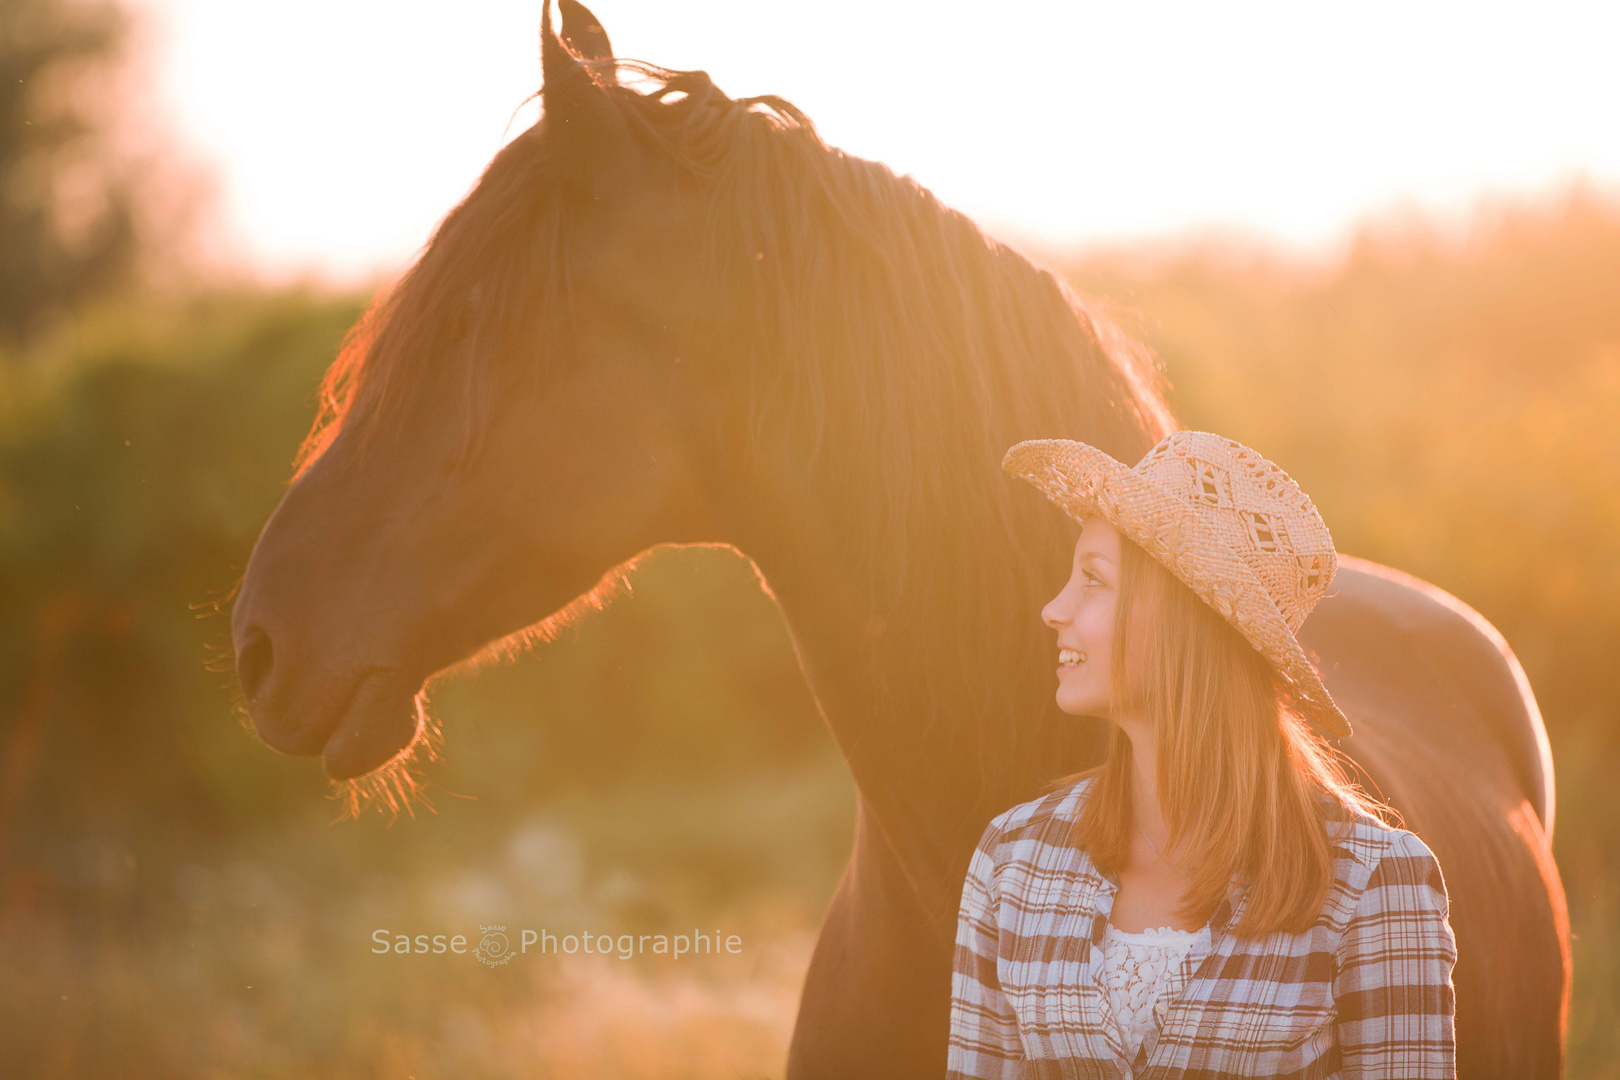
(1142, 974)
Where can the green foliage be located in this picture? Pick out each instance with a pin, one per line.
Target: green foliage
(139, 455)
(59, 244)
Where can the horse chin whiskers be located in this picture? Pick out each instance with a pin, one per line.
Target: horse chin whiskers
(393, 787)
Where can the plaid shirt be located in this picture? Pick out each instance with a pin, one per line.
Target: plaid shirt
(1364, 993)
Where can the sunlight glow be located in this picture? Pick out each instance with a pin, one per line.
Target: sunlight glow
(342, 130)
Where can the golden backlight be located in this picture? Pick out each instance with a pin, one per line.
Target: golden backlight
(341, 131)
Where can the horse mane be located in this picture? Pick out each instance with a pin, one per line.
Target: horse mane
(893, 351)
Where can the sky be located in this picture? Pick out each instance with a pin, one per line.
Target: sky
(338, 132)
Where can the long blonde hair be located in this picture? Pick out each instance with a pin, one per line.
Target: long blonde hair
(1243, 782)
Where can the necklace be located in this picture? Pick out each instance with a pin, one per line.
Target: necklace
(1151, 844)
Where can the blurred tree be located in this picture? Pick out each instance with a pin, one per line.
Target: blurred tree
(66, 218)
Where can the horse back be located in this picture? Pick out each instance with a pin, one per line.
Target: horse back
(1447, 731)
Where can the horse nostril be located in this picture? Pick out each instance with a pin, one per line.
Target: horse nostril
(254, 658)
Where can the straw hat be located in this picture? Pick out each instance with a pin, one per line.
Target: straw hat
(1230, 524)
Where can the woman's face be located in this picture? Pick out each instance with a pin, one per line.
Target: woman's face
(1083, 616)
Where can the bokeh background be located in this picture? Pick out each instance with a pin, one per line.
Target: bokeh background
(1386, 252)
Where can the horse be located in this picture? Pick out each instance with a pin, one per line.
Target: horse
(667, 316)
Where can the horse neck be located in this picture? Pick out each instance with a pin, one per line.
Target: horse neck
(942, 706)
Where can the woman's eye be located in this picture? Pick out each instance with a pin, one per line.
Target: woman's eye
(1090, 577)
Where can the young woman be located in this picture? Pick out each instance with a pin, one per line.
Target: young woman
(1218, 898)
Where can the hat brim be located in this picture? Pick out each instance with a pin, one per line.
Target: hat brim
(1083, 480)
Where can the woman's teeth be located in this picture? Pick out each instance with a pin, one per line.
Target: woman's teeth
(1067, 657)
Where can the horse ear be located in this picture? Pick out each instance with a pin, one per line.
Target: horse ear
(577, 110)
(582, 32)
(559, 67)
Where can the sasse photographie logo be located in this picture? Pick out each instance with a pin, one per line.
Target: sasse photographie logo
(495, 948)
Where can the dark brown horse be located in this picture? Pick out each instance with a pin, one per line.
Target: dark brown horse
(665, 316)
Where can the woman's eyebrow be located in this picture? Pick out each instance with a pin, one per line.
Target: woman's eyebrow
(1096, 556)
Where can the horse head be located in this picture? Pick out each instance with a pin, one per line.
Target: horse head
(517, 417)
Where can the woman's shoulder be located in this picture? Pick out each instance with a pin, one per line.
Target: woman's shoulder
(1378, 848)
(1041, 818)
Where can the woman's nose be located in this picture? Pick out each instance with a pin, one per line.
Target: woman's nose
(1059, 611)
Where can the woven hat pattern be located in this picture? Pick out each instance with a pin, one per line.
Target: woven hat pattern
(1231, 525)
